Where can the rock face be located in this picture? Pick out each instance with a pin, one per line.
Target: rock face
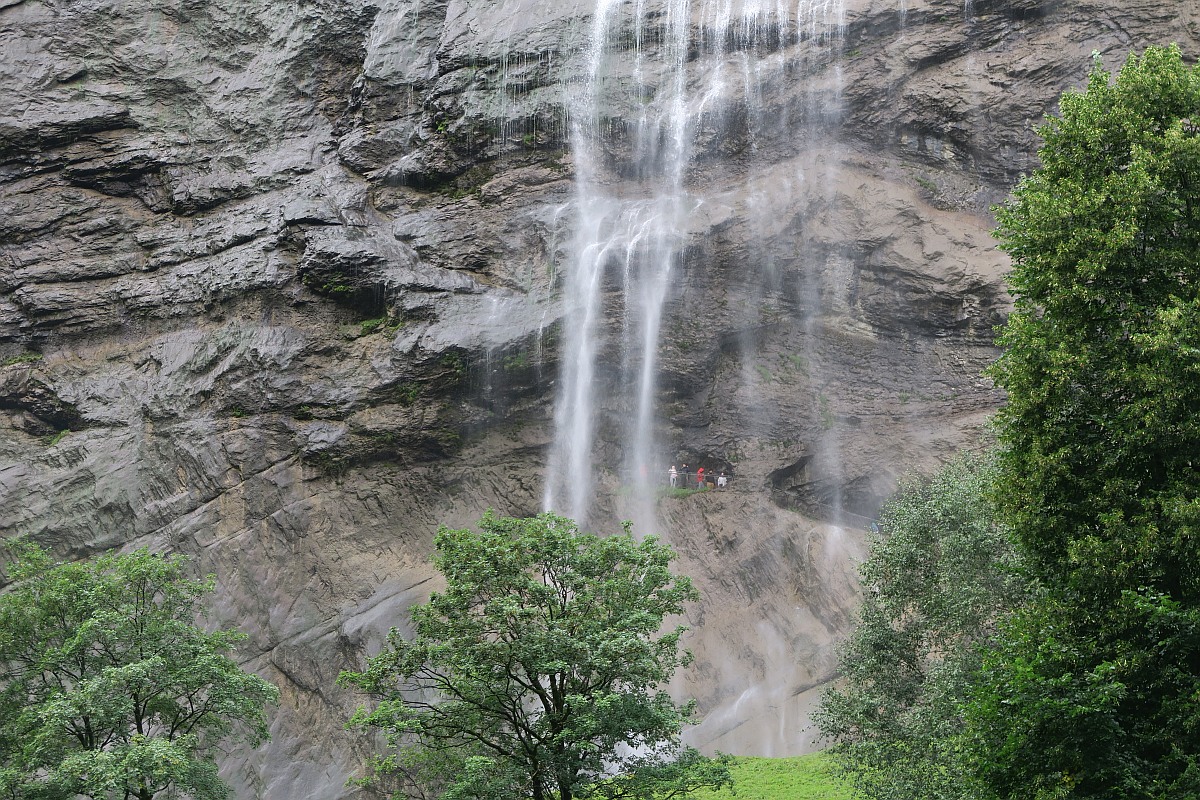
(281, 287)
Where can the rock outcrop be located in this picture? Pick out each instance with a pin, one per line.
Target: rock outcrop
(281, 288)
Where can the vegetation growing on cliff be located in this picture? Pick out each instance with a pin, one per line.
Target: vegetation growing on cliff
(107, 687)
(539, 672)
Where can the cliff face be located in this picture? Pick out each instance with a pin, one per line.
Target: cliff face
(283, 286)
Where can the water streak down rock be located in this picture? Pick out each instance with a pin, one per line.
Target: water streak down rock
(283, 286)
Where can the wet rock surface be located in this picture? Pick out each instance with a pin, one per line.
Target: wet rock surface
(280, 287)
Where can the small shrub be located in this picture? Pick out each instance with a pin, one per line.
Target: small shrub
(369, 326)
(827, 415)
(376, 324)
(407, 393)
(454, 362)
(331, 285)
(329, 464)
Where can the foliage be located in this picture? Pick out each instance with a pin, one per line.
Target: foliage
(335, 284)
(1094, 690)
(936, 580)
(453, 361)
(28, 357)
(676, 492)
(811, 777)
(369, 326)
(515, 362)
(57, 437)
(108, 689)
(1102, 351)
(538, 672)
(386, 324)
(798, 363)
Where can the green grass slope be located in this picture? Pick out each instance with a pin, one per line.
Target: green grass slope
(808, 777)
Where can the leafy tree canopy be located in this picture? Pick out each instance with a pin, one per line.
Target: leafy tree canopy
(539, 672)
(1102, 354)
(1081, 680)
(108, 689)
(1092, 691)
(937, 579)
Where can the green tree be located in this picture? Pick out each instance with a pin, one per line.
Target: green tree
(539, 671)
(1094, 690)
(937, 579)
(107, 687)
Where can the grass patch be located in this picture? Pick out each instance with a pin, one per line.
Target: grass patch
(827, 416)
(799, 363)
(810, 777)
(23, 358)
(369, 326)
(668, 491)
(56, 438)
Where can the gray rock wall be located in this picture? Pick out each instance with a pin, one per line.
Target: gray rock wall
(280, 287)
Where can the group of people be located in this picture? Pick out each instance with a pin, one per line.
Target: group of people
(683, 479)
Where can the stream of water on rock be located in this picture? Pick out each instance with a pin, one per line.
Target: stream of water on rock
(659, 75)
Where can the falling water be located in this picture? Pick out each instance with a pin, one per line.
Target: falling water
(631, 237)
(657, 73)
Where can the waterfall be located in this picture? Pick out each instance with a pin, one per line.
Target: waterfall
(658, 73)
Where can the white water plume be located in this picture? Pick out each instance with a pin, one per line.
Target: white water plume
(657, 74)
